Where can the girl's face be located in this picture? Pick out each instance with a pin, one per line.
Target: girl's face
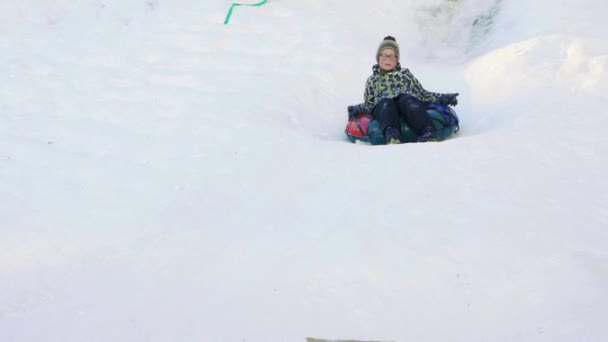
(387, 60)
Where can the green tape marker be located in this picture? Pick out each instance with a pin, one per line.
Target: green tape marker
(236, 4)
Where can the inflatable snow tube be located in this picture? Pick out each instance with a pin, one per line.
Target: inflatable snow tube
(366, 129)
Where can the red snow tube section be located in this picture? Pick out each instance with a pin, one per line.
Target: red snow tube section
(358, 127)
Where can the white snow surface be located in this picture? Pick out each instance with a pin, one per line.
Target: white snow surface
(166, 177)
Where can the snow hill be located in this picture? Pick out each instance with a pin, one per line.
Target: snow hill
(166, 177)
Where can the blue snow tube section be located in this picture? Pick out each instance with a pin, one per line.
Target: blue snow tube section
(444, 118)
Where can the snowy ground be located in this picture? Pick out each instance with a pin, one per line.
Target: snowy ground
(165, 177)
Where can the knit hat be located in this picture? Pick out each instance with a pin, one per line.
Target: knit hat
(388, 43)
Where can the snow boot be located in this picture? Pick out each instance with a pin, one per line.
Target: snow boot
(427, 133)
(392, 135)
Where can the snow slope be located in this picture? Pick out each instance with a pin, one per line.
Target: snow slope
(165, 177)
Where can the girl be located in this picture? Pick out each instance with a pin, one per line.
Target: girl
(392, 92)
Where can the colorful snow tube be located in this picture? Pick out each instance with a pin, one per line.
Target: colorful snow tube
(366, 129)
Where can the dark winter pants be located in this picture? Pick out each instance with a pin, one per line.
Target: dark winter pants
(388, 111)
